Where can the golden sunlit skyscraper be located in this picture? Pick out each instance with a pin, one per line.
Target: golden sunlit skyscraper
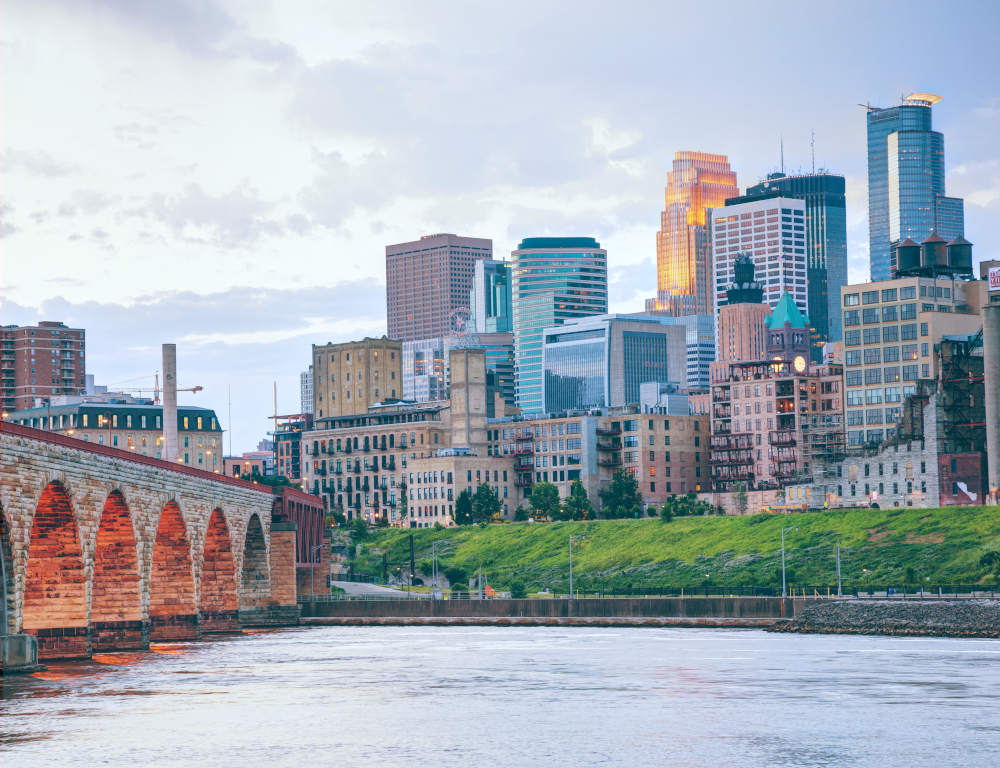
(699, 181)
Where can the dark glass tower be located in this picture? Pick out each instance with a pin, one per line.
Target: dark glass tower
(826, 247)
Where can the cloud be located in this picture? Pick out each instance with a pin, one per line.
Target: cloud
(85, 201)
(37, 163)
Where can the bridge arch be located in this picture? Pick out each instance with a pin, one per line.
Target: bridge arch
(172, 611)
(256, 579)
(8, 571)
(219, 596)
(55, 582)
(116, 592)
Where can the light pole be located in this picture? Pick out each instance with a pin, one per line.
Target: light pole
(839, 594)
(784, 591)
(571, 540)
(312, 569)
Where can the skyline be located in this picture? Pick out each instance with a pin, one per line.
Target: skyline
(273, 236)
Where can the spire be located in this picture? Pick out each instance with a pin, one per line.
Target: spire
(787, 312)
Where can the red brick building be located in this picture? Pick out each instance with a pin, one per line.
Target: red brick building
(38, 362)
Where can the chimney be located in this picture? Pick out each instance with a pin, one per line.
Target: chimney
(170, 447)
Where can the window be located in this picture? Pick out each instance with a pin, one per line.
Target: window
(855, 418)
(869, 297)
(908, 292)
(852, 338)
(892, 374)
(854, 397)
(874, 416)
(873, 356)
(890, 354)
(890, 333)
(852, 317)
(873, 376)
(910, 331)
(854, 378)
(631, 441)
(908, 312)
(924, 351)
(909, 351)
(926, 370)
(631, 426)
(852, 357)
(909, 373)
(871, 315)
(926, 307)
(851, 299)
(666, 440)
(872, 336)
(889, 295)
(923, 330)
(873, 396)
(889, 314)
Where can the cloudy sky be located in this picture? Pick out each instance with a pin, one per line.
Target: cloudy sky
(226, 175)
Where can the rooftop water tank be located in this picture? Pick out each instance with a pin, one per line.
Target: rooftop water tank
(933, 251)
(907, 255)
(960, 254)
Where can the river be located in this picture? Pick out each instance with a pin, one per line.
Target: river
(492, 696)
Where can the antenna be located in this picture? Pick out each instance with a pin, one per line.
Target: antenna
(782, 154)
(812, 144)
(230, 421)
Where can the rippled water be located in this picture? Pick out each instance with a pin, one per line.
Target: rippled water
(429, 696)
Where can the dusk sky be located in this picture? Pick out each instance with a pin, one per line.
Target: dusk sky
(226, 175)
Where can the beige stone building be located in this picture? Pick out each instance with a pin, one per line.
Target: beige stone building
(349, 377)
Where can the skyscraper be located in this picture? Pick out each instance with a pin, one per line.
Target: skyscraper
(698, 181)
(906, 190)
(555, 279)
(743, 318)
(428, 279)
(489, 298)
(826, 247)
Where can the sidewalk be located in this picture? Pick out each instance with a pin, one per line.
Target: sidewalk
(360, 588)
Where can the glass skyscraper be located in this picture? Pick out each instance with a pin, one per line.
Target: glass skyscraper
(555, 279)
(490, 298)
(906, 189)
(826, 247)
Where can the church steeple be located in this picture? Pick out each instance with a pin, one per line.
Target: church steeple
(788, 334)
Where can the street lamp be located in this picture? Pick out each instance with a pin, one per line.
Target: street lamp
(571, 540)
(839, 594)
(784, 591)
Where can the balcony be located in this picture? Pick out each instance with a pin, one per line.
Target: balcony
(524, 464)
(720, 398)
(609, 461)
(722, 412)
(731, 441)
(781, 437)
(357, 469)
(609, 446)
(731, 460)
(337, 471)
(523, 480)
(524, 449)
(733, 473)
(609, 430)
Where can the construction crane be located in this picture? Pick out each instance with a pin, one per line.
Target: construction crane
(156, 389)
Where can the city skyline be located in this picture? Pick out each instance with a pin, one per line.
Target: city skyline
(170, 211)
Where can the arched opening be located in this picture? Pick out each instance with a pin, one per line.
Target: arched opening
(115, 607)
(219, 599)
(7, 625)
(172, 612)
(256, 574)
(55, 585)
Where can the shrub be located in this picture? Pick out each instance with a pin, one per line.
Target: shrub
(518, 591)
(651, 511)
(520, 515)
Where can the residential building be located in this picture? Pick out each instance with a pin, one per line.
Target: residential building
(349, 377)
(306, 387)
(252, 464)
(40, 362)
(131, 424)
(426, 371)
(556, 279)
(770, 230)
(427, 280)
(287, 443)
(490, 297)
(600, 361)
(743, 319)
(826, 246)
(906, 181)
(698, 182)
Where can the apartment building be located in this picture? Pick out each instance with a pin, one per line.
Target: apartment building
(350, 377)
(40, 362)
(251, 464)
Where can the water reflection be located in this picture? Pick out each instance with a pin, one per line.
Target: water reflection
(426, 696)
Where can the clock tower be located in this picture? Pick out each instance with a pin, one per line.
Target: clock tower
(788, 335)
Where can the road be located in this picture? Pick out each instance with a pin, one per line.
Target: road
(359, 588)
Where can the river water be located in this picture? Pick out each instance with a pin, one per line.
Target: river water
(471, 697)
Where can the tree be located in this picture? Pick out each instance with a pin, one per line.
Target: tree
(338, 517)
(577, 505)
(991, 561)
(909, 575)
(520, 515)
(456, 574)
(621, 498)
(666, 512)
(544, 500)
(486, 506)
(652, 511)
(359, 528)
(403, 504)
(740, 498)
(518, 591)
(463, 509)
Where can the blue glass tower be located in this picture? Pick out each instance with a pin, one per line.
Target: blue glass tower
(906, 189)
(555, 279)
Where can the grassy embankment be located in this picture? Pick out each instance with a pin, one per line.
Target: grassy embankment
(943, 545)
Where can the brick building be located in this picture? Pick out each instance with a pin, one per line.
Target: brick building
(349, 377)
(251, 463)
(39, 362)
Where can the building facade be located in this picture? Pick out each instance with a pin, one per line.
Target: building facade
(252, 464)
(556, 279)
(40, 362)
(490, 297)
(427, 280)
(826, 246)
(306, 390)
(743, 319)
(698, 182)
(906, 181)
(349, 377)
(600, 361)
(426, 372)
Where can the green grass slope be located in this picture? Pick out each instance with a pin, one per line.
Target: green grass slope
(943, 545)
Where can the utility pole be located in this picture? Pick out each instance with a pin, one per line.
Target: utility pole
(571, 540)
(784, 590)
(412, 566)
(480, 581)
(838, 569)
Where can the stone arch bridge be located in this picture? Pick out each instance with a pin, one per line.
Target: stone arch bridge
(107, 550)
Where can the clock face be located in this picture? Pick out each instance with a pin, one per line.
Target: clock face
(800, 363)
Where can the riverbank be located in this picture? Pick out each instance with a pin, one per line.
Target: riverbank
(516, 621)
(935, 618)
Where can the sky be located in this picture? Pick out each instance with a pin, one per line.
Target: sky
(226, 175)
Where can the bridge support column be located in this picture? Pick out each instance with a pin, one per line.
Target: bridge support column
(281, 609)
(176, 626)
(120, 635)
(220, 621)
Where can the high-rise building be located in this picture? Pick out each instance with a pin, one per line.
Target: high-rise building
(600, 361)
(41, 362)
(349, 377)
(826, 246)
(698, 181)
(427, 280)
(906, 181)
(490, 299)
(555, 280)
(426, 375)
(743, 318)
(306, 390)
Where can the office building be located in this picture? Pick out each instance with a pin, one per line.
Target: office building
(556, 280)
(131, 424)
(349, 377)
(425, 365)
(600, 361)
(41, 362)
(253, 464)
(770, 229)
(906, 181)
(490, 297)
(427, 280)
(697, 183)
(743, 319)
(287, 436)
(306, 390)
(826, 246)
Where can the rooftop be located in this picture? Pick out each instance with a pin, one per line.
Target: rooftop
(787, 312)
